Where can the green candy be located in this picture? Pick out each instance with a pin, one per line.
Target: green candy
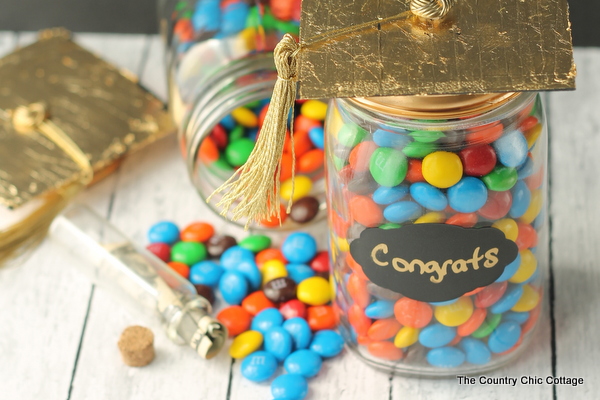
(253, 104)
(188, 252)
(253, 18)
(390, 225)
(236, 133)
(237, 152)
(388, 166)
(351, 134)
(487, 326)
(221, 164)
(501, 178)
(256, 243)
(339, 163)
(418, 149)
(287, 27)
(187, 14)
(180, 6)
(427, 136)
(269, 22)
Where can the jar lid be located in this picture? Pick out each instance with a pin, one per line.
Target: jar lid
(435, 106)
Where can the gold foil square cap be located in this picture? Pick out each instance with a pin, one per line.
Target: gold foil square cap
(382, 48)
(82, 111)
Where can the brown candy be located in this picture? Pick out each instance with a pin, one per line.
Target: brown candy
(305, 209)
(280, 290)
(206, 292)
(217, 244)
(136, 345)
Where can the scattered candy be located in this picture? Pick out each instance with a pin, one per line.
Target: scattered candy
(289, 387)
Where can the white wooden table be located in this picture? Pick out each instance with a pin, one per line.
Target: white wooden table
(58, 333)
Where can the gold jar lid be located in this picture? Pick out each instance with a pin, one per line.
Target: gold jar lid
(435, 106)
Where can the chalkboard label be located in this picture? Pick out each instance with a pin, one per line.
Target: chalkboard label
(433, 262)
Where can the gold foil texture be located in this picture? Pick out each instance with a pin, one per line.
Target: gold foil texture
(380, 48)
(105, 113)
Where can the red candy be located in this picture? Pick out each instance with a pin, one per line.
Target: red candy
(478, 160)
(527, 237)
(219, 136)
(490, 294)
(293, 308)
(360, 156)
(160, 250)
(321, 262)
(236, 319)
(497, 205)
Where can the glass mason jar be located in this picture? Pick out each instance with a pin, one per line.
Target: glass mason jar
(221, 76)
(438, 239)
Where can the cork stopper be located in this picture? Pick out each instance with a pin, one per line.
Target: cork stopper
(136, 345)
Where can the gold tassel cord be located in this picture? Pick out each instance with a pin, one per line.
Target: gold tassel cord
(432, 9)
(254, 187)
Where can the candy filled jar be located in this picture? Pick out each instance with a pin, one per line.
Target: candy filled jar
(221, 76)
(438, 232)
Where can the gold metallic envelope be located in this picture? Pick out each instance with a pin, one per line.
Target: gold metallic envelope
(105, 113)
(380, 48)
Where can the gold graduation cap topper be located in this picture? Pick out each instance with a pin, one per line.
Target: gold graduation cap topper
(392, 48)
(402, 48)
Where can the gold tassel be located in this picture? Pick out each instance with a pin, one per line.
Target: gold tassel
(255, 185)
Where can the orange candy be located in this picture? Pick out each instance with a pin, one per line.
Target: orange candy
(286, 167)
(413, 313)
(490, 294)
(365, 211)
(302, 143)
(360, 156)
(256, 302)
(385, 350)
(274, 220)
(356, 267)
(527, 237)
(533, 317)
(535, 181)
(528, 123)
(303, 123)
(474, 321)
(357, 289)
(197, 232)
(181, 268)
(269, 254)
(465, 220)
(236, 319)
(485, 134)
(358, 319)
(340, 226)
(321, 317)
(383, 329)
(208, 152)
(311, 161)
(415, 171)
(455, 341)
(474, 291)
(363, 340)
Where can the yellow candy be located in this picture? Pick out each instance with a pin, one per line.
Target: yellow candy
(245, 117)
(273, 269)
(314, 291)
(529, 299)
(245, 344)
(302, 188)
(509, 227)
(332, 287)
(407, 336)
(456, 313)
(343, 244)
(527, 267)
(533, 134)
(535, 206)
(431, 218)
(334, 122)
(248, 37)
(314, 109)
(442, 169)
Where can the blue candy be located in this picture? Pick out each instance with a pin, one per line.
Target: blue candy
(444, 303)
(504, 337)
(249, 269)
(327, 343)
(436, 335)
(521, 197)
(299, 248)
(206, 273)
(164, 232)
(299, 272)
(380, 309)
(266, 319)
(536, 275)
(253, 134)
(234, 255)
(526, 169)
(402, 211)
(259, 366)
(383, 138)
(511, 148)
(445, 357)
(304, 362)
(518, 317)
(428, 196)
(278, 342)
(508, 300)
(233, 286)
(228, 122)
(387, 195)
(234, 18)
(207, 16)
(300, 332)
(317, 137)
(477, 352)
(510, 269)
(289, 387)
(468, 195)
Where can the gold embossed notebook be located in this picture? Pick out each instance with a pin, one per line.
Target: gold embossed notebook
(66, 118)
